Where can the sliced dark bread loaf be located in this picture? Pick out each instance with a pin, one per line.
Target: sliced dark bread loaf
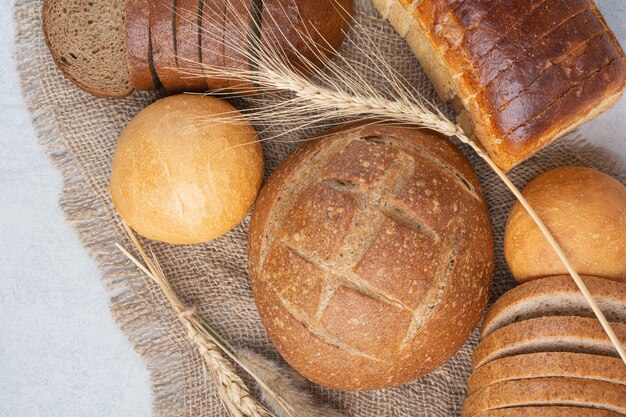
(138, 46)
(188, 14)
(548, 334)
(163, 38)
(212, 42)
(556, 296)
(239, 40)
(310, 28)
(547, 391)
(86, 40)
(548, 364)
(548, 411)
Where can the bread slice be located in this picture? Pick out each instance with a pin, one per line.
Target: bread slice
(548, 411)
(163, 38)
(547, 391)
(548, 334)
(238, 28)
(87, 44)
(138, 46)
(548, 364)
(188, 14)
(556, 296)
(212, 43)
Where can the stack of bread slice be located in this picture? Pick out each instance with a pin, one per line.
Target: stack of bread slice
(111, 48)
(543, 354)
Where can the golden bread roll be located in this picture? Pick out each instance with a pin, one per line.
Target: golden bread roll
(586, 212)
(180, 175)
(371, 256)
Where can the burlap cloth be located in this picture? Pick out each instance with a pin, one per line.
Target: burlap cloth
(79, 133)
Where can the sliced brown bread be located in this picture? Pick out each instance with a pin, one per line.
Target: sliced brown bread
(188, 13)
(547, 391)
(138, 46)
(556, 296)
(212, 42)
(238, 24)
(162, 36)
(548, 364)
(548, 334)
(548, 411)
(87, 44)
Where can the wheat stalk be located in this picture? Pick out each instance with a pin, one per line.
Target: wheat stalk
(284, 398)
(341, 92)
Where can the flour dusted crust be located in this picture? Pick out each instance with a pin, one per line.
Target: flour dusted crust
(521, 73)
(548, 411)
(371, 256)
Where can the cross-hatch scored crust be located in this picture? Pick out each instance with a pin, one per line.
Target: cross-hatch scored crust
(374, 207)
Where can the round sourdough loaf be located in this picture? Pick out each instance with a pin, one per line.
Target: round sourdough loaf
(371, 256)
(586, 212)
(182, 180)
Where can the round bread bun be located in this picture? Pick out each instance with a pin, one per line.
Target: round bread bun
(180, 179)
(371, 256)
(586, 212)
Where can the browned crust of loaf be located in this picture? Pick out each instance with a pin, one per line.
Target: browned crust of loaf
(238, 13)
(548, 411)
(336, 365)
(188, 44)
(603, 290)
(548, 364)
(466, 37)
(547, 391)
(570, 334)
(59, 63)
(162, 24)
(138, 44)
(322, 23)
(212, 42)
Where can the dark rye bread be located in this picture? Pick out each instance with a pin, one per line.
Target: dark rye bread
(138, 46)
(548, 411)
(188, 13)
(556, 296)
(548, 364)
(547, 391)
(240, 38)
(521, 73)
(548, 334)
(365, 274)
(86, 40)
(312, 28)
(212, 42)
(162, 35)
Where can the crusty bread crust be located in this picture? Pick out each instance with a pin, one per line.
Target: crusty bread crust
(521, 73)
(556, 296)
(548, 411)
(313, 29)
(138, 44)
(370, 255)
(188, 44)
(548, 334)
(547, 391)
(162, 26)
(548, 364)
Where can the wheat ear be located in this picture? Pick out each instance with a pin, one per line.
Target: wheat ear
(341, 92)
(285, 396)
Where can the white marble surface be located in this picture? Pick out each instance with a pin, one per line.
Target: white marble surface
(60, 352)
